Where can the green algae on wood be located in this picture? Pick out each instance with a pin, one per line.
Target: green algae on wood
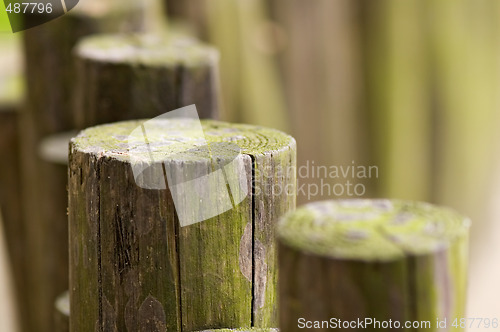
(130, 246)
(61, 313)
(383, 259)
(124, 77)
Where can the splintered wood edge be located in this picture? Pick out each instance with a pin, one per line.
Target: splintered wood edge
(371, 230)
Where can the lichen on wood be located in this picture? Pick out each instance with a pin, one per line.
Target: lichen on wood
(125, 77)
(382, 259)
(128, 243)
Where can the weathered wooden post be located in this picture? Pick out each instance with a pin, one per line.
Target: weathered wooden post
(124, 77)
(50, 80)
(371, 259)
(169, 232)
(110, 105)
(61, 313)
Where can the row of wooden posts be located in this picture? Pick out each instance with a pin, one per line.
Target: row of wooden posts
(132, 267)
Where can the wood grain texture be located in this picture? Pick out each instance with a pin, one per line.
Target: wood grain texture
(61, 313)
(50, 79)
(166, 254)
(379, 259)
(125, 77)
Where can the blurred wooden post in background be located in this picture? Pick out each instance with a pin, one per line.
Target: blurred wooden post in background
(61, 313)
(322, 67)
(130, 257)
(251, 86)
(379, 259)
(11, 99)
(53, 155)
(399, 96)
(50, 79)
(465, 47)
(123, 77)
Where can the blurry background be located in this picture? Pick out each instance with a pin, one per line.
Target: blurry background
(412, 87)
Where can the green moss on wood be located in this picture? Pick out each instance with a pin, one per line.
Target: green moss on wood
(381, 259)
(372, 230)
(174, 136)
(219, 269)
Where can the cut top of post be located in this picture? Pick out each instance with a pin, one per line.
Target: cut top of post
(179, 139)
(147, 50)
(371, 230)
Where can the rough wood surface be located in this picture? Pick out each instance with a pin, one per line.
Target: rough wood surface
(61, 313)
(376, 259)
(139, 262)
(50, 80)
(126, 77)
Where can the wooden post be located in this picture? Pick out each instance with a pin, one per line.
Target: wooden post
(11, 94)
(137, 262)
(61, 313)
(325, 76)
(379, 259)
(53, 153)
(50, 80)
(124, 77)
